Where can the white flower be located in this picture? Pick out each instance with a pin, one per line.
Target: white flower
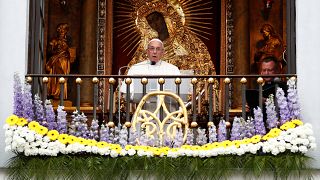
(294, 149)
(46, 139)
(275, 151)
(94, 149)
(131, 152)
(311, 139)
(114, 154)
(38, 137)
(9, 133)
(140, 152)
(30, 137)
(303, 149)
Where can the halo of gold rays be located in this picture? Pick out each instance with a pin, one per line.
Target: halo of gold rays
(197, 15)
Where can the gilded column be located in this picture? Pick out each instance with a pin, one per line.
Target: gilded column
(88, 50)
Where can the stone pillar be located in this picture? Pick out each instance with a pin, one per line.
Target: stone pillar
(88, 50)
(241, 46)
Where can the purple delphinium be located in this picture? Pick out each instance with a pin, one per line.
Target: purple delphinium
(293, 104)
(235, 131)
(201, 138)
(17, 96)
(167, 141)
(143, 139)
(93, 131)
(72, 125)
(123, 135)
(116, 133)
(78, 126)
(39, 111)
(83, 126)
(178, 140)
(132, 137)
(272, 120)
(283, 106)
(27, 103)
(212, 134)
(104, 134)
(248, 128)
(222, 131)
(61, 120)
(190, 137)
(50, 116)
(258, 121)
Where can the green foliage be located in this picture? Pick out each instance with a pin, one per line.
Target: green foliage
(101, 167)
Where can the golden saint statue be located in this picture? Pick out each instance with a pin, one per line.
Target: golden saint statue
(61, 55)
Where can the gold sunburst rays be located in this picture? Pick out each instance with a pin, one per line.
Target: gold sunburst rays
(198, 32)
(196, 6)
(130, 42)
(198, 16)
(126, 29)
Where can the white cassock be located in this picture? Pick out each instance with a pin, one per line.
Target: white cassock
(145, 68)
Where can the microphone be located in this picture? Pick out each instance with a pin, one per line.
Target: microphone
(152, 62)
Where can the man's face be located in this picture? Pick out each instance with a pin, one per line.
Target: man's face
(268, 68)
(155, 51)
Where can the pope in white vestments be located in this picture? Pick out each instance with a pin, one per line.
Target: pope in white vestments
(153, 66)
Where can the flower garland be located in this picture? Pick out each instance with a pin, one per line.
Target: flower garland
(34, 139)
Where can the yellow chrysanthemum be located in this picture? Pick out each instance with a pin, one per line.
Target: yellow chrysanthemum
(164, 150)
(156, 151)
(72, 139)
(33, 125)
(216, 145)
(22, 122)
(195, 148)
(186, 146)
(41, 130)
(102, 144)
(83, 141)
(285, 127)
(246, 141)
(226, 143)
(92, 142)
(53, 135)
(297, 122)
(255, 139)
(267, 137)
(236, 143)
(12, 120)
(63, 138)
(127, 147)
(206, 147)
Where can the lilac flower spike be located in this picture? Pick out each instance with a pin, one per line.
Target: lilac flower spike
(27, 103)
(50, 116)
(212, 134)
(258, 121)
(293, 104)
(61, 120)
(17, 96)
(283, 106)
(39, 111)
(236, 129)
(201, 138)
(222, 131)
(272, 120)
